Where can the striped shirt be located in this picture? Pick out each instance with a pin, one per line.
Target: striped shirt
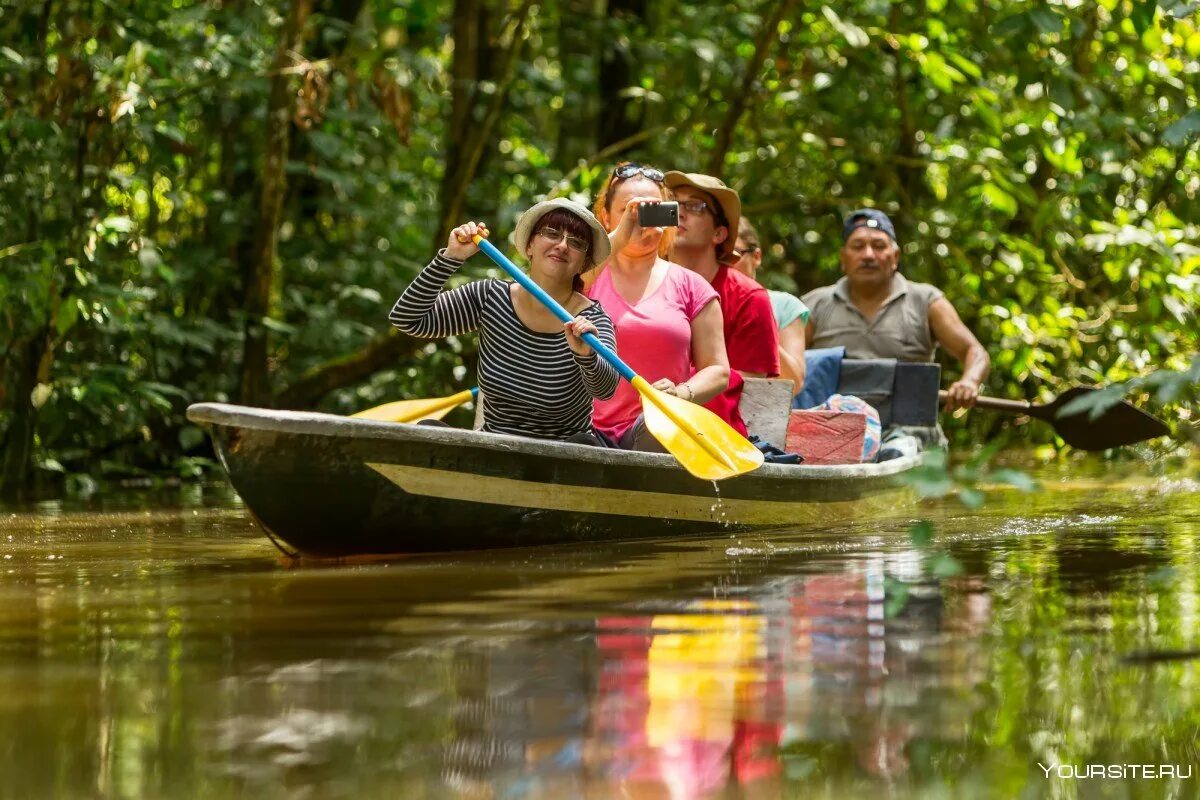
(533, 384)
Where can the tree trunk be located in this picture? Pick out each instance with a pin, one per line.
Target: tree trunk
(622, 116)
(387, 349)
(909, 178)
(741, 97)
(580, 64)
(16, 467)
(332, 15)
(471, 140)
(28, 358)
(464, 84)
(260, 272)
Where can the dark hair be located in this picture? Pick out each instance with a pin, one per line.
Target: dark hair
(747, 233)
(718, 213)
(572, 225)
(719, 219)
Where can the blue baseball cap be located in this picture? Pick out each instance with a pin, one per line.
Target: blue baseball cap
(868, 218)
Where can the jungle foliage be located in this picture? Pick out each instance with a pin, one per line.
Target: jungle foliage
(221, 199)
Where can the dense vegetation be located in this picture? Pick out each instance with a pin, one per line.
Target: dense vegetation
(219, 200)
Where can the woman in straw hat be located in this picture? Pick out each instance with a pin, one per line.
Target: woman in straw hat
(667, 317)
(537, 375)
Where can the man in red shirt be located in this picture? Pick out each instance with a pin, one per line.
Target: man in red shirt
(708, 222)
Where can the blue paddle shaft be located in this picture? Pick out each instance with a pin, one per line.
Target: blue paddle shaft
(549, 302)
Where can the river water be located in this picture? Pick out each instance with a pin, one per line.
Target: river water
(158, 647)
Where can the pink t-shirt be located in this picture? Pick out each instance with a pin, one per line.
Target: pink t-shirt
(654, 337)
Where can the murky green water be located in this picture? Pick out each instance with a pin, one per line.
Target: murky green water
(170, 654)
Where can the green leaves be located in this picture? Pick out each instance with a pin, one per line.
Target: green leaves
(1045, 20)
(1142, 15)
(1183, 131)
(940, 72)
(921, 533)
(998, 199)
(1015, 478)
(895, 594)
(191, 437)
(1042, 174)
(68, 315)
(943, 565)
(1167, 385)
(1094, 404)
(855, 36)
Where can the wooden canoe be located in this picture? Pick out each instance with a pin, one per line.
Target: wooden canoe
(330, 486)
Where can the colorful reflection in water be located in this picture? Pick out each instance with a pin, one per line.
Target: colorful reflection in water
(162, 650)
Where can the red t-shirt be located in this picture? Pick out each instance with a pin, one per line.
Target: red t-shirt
(751, 339)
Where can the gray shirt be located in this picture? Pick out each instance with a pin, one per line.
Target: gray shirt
(900, 330)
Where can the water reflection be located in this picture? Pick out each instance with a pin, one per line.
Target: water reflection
(166, 653)
(688, 701)
(737, 692)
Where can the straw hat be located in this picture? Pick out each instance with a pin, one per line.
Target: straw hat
(731, 204)
(600, 246)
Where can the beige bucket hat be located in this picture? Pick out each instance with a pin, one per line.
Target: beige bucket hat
(600, 246)
(731, 204)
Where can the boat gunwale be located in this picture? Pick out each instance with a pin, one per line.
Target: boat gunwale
(315, 423)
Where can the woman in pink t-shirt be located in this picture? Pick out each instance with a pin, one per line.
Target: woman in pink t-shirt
(667, 318)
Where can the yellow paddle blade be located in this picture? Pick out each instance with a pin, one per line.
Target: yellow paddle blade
(701, 441)
(415, 410)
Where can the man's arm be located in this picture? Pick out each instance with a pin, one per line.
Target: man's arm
(952, 334)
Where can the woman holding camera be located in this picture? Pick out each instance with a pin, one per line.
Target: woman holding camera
(537, 375)
(667, 318)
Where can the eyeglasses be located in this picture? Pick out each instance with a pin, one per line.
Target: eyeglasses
(627, 171)
(693, 206)
(742, 252)
(554, 236)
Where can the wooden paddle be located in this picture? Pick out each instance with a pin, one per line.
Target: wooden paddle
(1115, 426)
(417, 410)
(701, 441)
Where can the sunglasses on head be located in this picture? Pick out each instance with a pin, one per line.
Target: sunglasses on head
(627, 171)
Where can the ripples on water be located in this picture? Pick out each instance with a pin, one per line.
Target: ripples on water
(169, 653)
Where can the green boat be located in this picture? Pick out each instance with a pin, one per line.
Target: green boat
(328, 486)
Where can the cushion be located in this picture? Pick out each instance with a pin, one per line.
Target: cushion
(823, 371)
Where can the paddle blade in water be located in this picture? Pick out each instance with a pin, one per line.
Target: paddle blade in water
(1116, 426)
(415, 410)
(701, 441)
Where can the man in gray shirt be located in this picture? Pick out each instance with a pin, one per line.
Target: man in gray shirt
(875, 312)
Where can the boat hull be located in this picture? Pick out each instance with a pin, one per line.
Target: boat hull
(330, 486)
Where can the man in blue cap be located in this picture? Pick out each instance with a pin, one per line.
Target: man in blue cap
(875, 312)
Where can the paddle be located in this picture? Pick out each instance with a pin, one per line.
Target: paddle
(700, 440)
(1115, 426)
(417, 410)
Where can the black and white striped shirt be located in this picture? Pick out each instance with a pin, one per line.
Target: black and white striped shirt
(533, 384)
